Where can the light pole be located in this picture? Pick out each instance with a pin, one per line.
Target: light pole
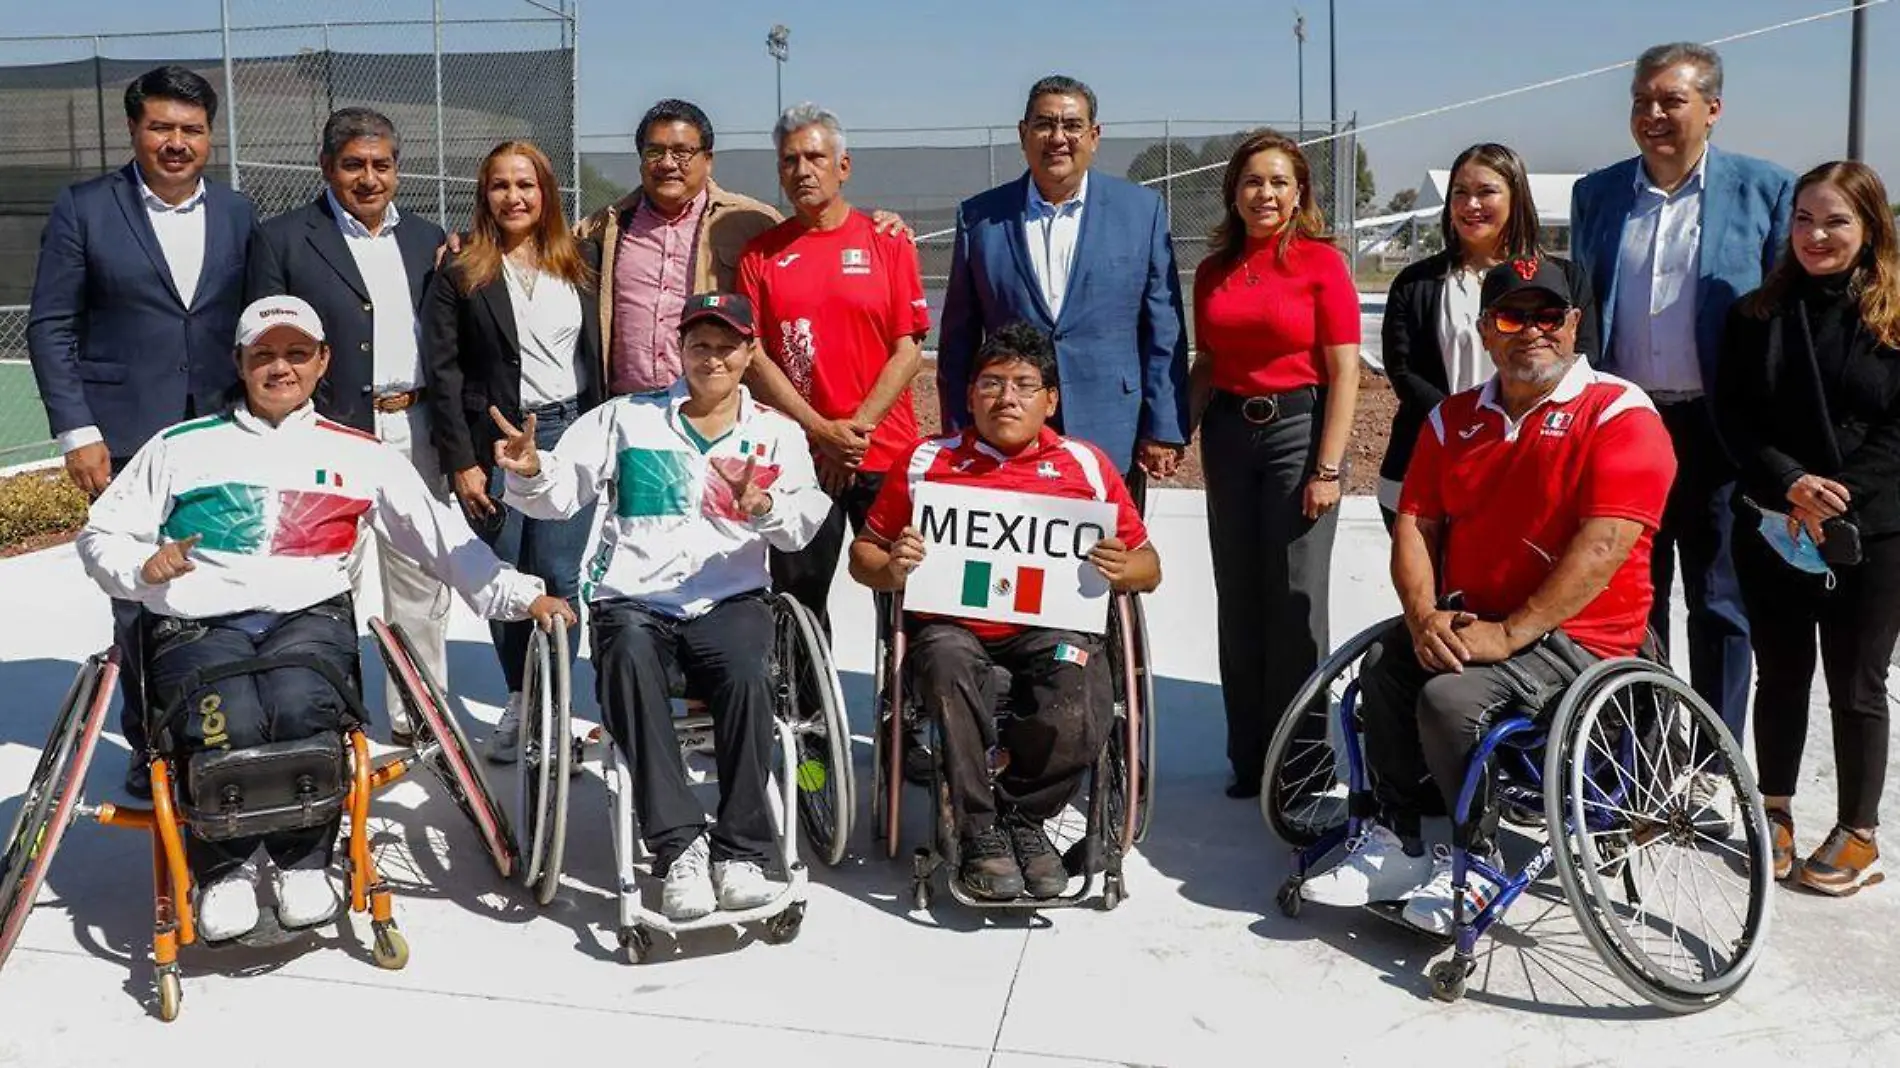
(1332, 64)
(1299, 65)
(778, 45)
(1857, 84)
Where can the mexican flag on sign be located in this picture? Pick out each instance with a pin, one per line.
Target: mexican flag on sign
(985, 585)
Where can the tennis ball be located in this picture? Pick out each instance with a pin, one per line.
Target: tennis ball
(811, 776)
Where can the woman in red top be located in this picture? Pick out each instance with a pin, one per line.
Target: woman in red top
(1277, 324)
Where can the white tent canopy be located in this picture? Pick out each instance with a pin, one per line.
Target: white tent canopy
(1550, 192)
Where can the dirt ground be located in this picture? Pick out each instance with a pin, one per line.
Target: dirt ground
(1372, 421)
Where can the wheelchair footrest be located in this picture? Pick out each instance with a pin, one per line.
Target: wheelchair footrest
(279, 786)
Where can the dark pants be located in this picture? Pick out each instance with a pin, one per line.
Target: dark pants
(806, 574)
(1059, 717)
(1422, 728)
(1271, 568)
(1858, 622)
(548, 549)
(279, 705)
(125, 638)
(725, 657)
(1696, 524)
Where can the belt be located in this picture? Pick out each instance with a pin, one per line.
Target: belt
(388, 403)
(1266, 408)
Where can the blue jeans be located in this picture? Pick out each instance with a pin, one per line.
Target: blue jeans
(548, 550)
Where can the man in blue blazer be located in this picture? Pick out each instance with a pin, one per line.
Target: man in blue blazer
(1671, 239)
(135, 306)
(1087, 259)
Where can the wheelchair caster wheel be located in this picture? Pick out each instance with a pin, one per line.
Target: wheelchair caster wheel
(1111, 892)
(171, 996)
(920, 896)
(390, 950)
(1448, 979)
(1289, 899)
(784, 927)
(636, 944)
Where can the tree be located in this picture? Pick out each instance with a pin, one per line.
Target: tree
(597, 190)
(1403, 200)
(1367, 190)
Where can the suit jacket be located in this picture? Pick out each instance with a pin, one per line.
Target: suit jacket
(1121, 344)
(1746, 203)
(112, 341)
(1414, 359)
(302, 253)
(471, 356)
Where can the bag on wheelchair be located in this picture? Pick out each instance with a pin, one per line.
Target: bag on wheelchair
(265, 789)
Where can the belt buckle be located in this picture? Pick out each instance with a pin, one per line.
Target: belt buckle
(1268, 401)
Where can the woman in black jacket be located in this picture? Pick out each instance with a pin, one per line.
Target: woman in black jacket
(513, 322)
(1430, 335)
(1808, 398)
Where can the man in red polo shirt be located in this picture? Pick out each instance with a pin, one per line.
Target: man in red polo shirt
(1538, 493)
(1053, 741)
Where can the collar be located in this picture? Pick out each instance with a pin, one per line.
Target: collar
(251, 422)
(1045, 441)
(352, 226)
(154, 202)
(1038, 206)
(1569, 388)
(677, 394)
(1694, 183)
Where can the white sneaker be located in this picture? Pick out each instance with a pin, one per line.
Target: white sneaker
(228, 907)
(742, 885)
(1430, 908)
(1712, 803)
(1376, 868)
(305, 897)
(502, 745)
(688, 891)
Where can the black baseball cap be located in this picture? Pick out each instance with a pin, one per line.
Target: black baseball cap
(729, 308)
(1516, 276)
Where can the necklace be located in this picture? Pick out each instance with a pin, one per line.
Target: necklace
(525, 268)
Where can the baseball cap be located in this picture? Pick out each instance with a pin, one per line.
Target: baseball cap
(266, 313)
(1517, 276)
(729, 308)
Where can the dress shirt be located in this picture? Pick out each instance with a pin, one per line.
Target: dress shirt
(1653, 333)
(1467, 364)
(1051, 230)
(653, 276)
(547, 326)
(395, 332)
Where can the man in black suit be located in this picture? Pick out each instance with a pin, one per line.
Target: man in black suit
(134, 310)
(364, 266)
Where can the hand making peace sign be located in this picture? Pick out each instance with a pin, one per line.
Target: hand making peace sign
(751, 499)
(515, 452)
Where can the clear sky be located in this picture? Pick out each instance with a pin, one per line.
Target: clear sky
(884, 64)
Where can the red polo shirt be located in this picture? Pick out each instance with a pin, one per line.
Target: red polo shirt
(1512, 497)
(1267, 321)
(1052, 466)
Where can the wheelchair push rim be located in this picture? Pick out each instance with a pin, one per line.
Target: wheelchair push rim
(1303, 789)
(1130, 746)
(52, 797)
(1677, 912)
(808, 696)
(545, 755)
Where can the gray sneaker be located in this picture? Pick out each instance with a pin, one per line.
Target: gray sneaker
(502, 746)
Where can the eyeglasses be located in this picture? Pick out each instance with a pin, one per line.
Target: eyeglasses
(1514, 320)
(1047, 127)
(680, 156)
(989, 387)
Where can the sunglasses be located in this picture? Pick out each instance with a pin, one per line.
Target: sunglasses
(1514, 320)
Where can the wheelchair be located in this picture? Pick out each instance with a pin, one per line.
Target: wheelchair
(812, 778)
(1116, 805)
(1605, 778)
(239, 793)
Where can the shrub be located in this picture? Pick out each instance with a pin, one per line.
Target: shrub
(38, 503)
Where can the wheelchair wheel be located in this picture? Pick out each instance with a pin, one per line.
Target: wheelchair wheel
(452, 762)
(1308, 773)
(1676, 904)
(546, 754)
(48, 806)
(808, 697)
(1131, 742)
(887, 732)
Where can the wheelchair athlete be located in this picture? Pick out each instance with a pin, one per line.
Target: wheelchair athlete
(699, 480)
(1051, 740)
(1535, 497)
(234, 531)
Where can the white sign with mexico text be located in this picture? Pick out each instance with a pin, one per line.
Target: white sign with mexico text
(1010, 557)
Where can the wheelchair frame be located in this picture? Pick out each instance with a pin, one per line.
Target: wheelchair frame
(54, 801)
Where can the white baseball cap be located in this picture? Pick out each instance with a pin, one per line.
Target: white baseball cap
(269, 312)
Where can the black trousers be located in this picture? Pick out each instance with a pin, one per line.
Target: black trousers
(806, 574)
(1060, 712)
(1271, 570)
(1858, 622)
(1422, 728)
(280, 705)
(724, 656)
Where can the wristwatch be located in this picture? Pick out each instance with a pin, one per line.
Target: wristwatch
(1325, 472)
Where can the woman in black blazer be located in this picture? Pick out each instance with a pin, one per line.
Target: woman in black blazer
(1807, 395)
(513, 323)
(1430, 335)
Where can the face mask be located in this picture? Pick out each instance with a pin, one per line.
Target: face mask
(1798, 550)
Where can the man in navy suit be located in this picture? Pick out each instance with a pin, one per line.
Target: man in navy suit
(1671, 239)
(364, 266)
(1087, 259)
(135, 307)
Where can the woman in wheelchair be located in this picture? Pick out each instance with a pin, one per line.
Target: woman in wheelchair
(1536, 497)
(234, 531)
(697, 480)
(1002, 795)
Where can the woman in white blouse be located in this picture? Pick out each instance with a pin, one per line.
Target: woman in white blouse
(1430, 335)
(513, 321)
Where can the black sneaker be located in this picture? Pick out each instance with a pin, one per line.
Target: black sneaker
(989, 868)
(1044, 876)
(138, 779)
(919, 763)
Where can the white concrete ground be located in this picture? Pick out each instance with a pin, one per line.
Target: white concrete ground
(1198, 967)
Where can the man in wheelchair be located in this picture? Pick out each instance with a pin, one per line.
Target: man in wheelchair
(1521, 555)
(1059, 721)
(699, 480)
(234, 531)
